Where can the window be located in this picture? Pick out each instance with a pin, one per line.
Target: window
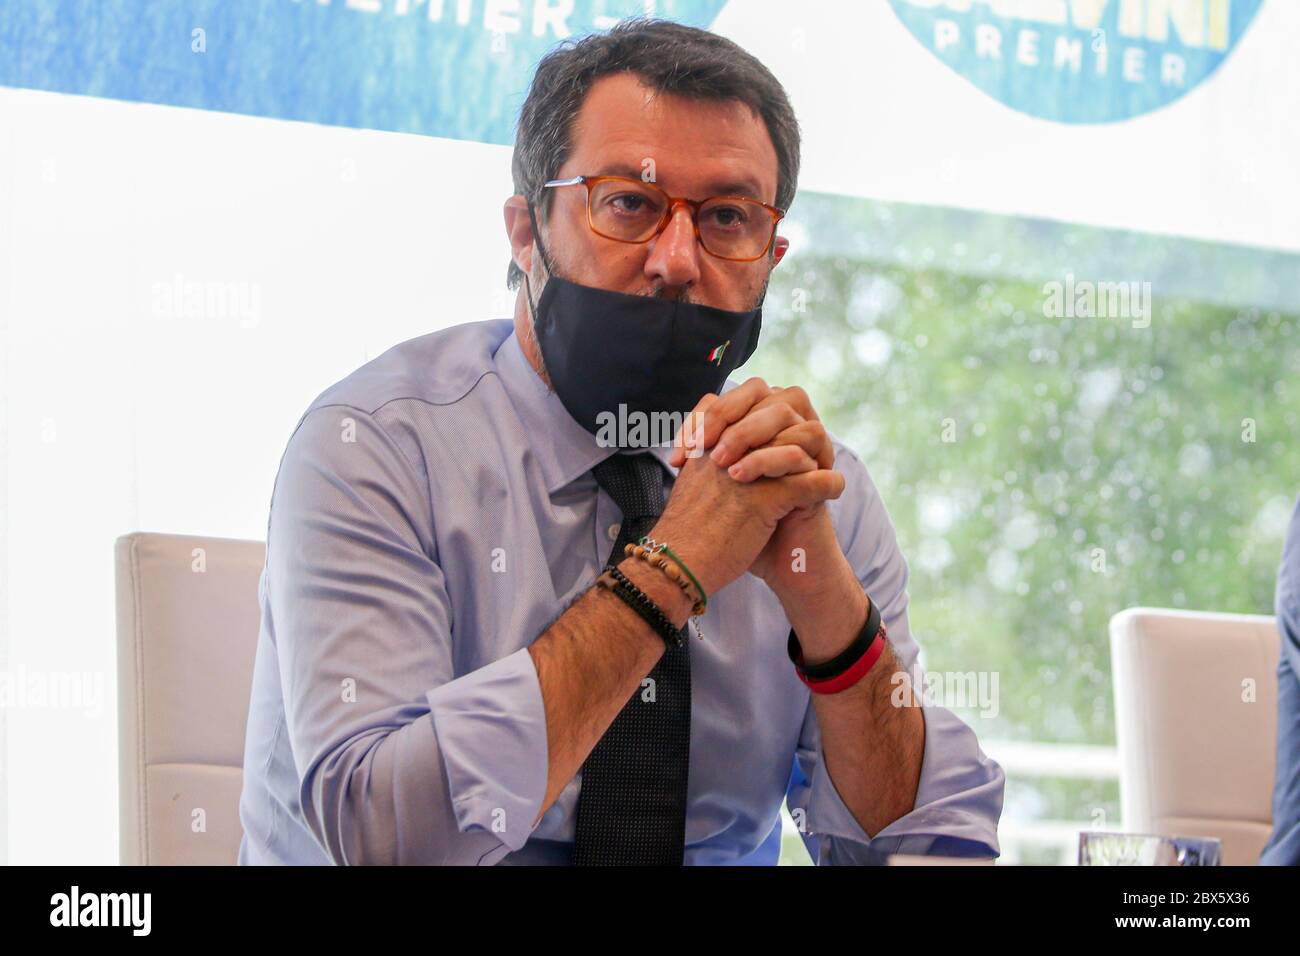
(1047, 462)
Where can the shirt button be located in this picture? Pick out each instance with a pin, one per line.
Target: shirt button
(612, 531)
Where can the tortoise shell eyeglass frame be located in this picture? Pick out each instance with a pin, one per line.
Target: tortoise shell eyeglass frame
(671, 203)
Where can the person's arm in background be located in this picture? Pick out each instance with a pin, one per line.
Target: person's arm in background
(959, 794)
(400, 761)
(1283, 847)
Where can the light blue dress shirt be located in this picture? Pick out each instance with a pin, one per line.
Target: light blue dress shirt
(1283, 847)
(433, 513)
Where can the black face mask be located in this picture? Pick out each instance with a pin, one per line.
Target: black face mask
(606, 349)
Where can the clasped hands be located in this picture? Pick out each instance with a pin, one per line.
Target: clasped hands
(758, 431)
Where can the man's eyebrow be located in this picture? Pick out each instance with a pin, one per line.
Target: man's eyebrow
(737, 187)
(745, 187)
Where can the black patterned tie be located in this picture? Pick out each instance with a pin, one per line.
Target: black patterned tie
(632, 800)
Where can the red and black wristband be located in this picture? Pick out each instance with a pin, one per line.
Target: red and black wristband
(848, 667)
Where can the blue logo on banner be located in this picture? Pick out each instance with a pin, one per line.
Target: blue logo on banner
(1080, 61)
(453, 68)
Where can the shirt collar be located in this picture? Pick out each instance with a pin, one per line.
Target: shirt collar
(565, 450)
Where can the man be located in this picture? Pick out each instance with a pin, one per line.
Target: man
(1283, 848)
(437, 678)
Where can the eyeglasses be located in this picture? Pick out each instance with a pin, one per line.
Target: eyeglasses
(629, 210)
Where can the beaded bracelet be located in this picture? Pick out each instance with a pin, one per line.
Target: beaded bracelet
(614, 580)
(662, 546)
(658, 555)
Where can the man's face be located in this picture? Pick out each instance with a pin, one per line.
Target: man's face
(699, 149)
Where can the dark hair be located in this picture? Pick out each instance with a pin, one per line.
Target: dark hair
(668, 57)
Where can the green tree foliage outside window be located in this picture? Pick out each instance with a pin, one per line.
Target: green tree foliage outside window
(1045, 471)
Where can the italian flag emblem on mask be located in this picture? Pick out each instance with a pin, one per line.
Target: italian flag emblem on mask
(716, 354)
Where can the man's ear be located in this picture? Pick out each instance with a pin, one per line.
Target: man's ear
(519, 229)
(780, 248)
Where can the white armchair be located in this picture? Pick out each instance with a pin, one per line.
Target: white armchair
(1196, 718)
(187, 626)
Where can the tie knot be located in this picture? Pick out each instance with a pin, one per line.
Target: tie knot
(635, 482)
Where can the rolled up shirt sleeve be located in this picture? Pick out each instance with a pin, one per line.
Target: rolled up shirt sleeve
(959, 797)
(399, 760)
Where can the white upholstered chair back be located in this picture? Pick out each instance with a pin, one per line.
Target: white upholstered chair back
(187, 626)
(1196, 718)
